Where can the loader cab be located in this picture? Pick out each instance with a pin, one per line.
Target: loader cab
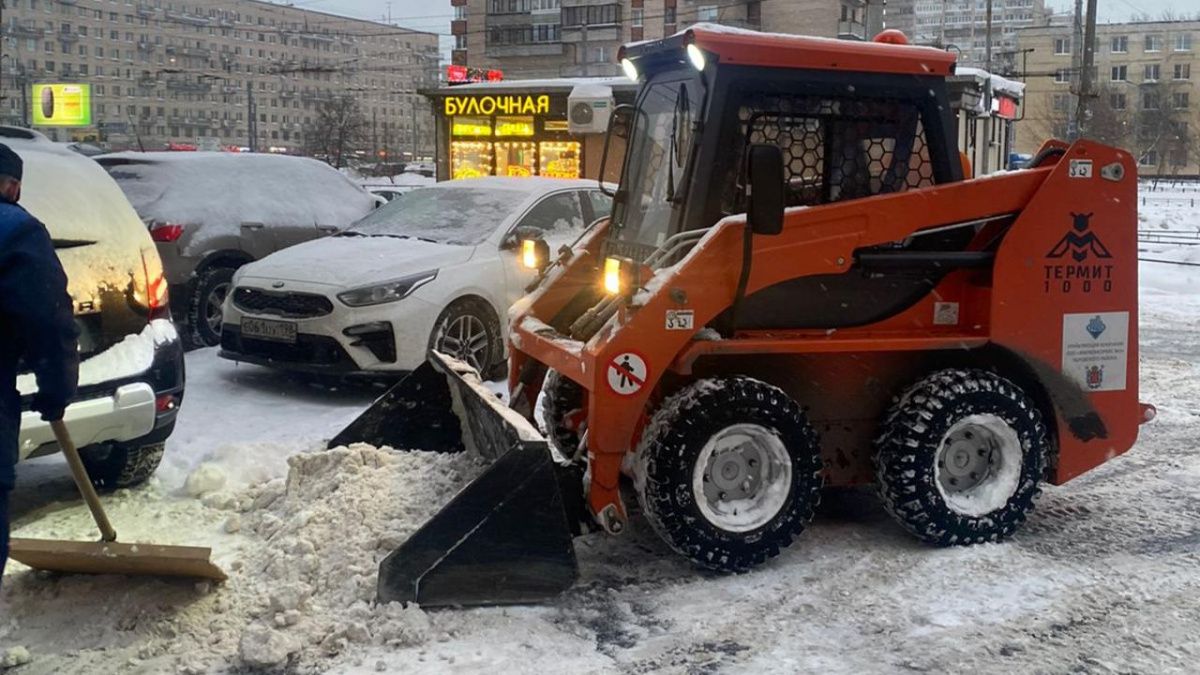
(852, 120)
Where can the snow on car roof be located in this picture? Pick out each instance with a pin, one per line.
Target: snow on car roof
(227, 189)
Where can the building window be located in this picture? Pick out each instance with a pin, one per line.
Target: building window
(637, 15)
(591, 15)
(707, 13)
(1060, 102)
(460, 12)
(1116, 101)
(1179, 157)
(1153, 43)
(1150, 100)
(1062, 46)
(1062, 75)
(1150, 158)
(460, 41)
(1183, 42)
(1183, 71)
(1180, 100)
(1120, 74)
(1151, 73)
(669, 16)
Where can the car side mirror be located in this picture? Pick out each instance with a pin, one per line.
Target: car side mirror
(764, 189)
(520, 233)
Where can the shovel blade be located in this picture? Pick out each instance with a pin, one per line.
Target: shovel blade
(85, 557)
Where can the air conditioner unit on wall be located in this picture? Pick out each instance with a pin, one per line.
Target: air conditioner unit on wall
(588, 108)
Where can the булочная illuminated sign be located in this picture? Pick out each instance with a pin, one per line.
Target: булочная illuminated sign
(513, 104)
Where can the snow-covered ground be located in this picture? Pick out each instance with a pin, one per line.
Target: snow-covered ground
(1104, 578)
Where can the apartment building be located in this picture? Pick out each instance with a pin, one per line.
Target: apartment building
(244, 72)
(571, 38)
(1146, 99)
(961, 26)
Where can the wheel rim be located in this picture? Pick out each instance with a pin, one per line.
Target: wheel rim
(742, 477)
(214, 307)
(466, 339)
(978, 465)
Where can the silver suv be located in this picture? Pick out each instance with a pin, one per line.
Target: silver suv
(212, 212)
(131, 371)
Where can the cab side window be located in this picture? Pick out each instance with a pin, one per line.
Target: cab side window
(834, 148)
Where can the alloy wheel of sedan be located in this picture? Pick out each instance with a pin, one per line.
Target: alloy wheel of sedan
(214, 307)
(465, 338)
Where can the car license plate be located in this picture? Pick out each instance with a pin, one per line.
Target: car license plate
(264, 329)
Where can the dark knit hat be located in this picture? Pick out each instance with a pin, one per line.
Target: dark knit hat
(10, 163)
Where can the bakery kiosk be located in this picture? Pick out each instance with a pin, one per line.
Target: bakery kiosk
(550, 127)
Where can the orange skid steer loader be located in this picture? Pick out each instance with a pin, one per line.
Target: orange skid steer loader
(797, 288)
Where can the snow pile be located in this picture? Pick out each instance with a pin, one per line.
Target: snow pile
(131, 356)
(307, 593)
(302, 578)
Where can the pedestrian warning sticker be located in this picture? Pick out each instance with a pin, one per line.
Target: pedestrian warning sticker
(1095, 349)
(627, 373)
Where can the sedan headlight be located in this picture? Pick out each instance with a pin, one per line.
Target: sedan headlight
(389, 291)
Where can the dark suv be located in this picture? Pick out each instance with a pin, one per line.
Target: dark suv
(212, 212)
(131, 371)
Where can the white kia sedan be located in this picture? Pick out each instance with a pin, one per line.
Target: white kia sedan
(436, 267)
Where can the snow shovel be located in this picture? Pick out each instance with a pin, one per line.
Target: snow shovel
(505, 538)
(107, 556)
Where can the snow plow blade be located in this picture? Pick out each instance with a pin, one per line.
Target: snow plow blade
(505, 538)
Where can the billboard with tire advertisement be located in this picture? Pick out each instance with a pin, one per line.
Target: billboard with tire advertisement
(62, 105)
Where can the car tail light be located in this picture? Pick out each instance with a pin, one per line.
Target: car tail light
(165, 232)
(152, 293)
(165, 403)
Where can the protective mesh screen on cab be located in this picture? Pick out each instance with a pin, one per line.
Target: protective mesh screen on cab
(837, 148)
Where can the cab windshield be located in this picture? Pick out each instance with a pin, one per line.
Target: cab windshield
(660, 148)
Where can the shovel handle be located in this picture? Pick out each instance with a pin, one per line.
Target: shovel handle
(79, 473)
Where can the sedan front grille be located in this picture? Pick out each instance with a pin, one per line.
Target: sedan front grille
(290, 305)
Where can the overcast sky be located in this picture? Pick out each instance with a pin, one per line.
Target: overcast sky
(434, 15)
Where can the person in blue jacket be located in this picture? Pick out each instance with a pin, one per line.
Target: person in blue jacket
(37, 326)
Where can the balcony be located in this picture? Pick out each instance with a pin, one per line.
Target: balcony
(146, 46)
(69, 2)
(145, 11)
(148, 82)
(25, 29)
(68, 36)
(197, 52)
(591, 70)
(851, 30)
(458, 27)
(191, 19)
(592, 33)
(187, 87)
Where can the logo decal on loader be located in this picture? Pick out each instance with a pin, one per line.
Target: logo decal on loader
(627, 373)
(1079, 241)
(1095, 377)
(1096, 327)
(1080, 260)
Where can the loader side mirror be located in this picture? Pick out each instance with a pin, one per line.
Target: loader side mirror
(764, 189)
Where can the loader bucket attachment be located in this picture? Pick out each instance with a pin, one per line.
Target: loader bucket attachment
(505, 538)
(415, 414)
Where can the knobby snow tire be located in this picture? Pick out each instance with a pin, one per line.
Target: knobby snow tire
(907, 447)
(671, 445)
